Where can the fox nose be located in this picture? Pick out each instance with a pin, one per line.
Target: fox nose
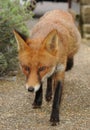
(31, 89)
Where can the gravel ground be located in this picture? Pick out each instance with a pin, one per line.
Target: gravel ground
(16, 111)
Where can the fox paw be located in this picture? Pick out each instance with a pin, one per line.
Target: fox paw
(54, 121)
(36, 105)
(48, 98)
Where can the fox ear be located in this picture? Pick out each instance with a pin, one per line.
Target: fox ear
(20, 38)
(51, 41)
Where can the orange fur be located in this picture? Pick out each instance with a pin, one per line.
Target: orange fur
(47, 54)
(53, 40)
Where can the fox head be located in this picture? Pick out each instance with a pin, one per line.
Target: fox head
(37, 59)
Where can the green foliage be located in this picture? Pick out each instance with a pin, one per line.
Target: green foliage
(12, 16)
(3, 63)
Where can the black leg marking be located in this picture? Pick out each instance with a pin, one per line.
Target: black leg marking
(56, 103)
(70, 63)
(38, 99)
(48, 95)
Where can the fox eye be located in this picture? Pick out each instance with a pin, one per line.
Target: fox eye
(42, 68)
(27, 68)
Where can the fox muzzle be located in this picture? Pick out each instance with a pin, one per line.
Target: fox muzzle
(32, 88)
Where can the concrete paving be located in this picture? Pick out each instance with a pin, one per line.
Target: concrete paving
(42, 7)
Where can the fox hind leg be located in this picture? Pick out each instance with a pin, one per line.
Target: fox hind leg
(70, 62)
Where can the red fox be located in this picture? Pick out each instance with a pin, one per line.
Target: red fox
(47, 54)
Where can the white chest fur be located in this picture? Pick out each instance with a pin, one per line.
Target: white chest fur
(60, 67)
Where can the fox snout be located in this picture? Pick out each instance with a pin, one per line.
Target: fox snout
(33, 88)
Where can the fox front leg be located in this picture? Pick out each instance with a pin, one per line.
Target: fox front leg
(56, 103)
(48, 95)
(57, 100)
(38, 98)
